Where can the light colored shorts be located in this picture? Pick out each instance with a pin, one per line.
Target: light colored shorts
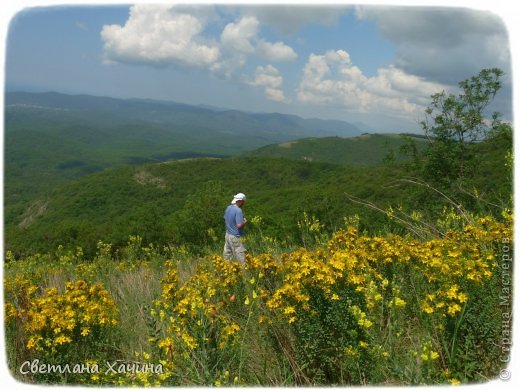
(234, 249)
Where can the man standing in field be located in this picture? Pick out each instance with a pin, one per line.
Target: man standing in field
(234, 218)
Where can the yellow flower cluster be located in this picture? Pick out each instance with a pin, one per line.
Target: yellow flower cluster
(369, 276)
(348, 262)
(361, 317)
(445, 301)
(427, 352)
(19, 292)
(58, 318)
(193, 306)
(447, 267)
(263, 264)
(300, 268)
(462, 258)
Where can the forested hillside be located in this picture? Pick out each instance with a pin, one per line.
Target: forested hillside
(177, 202)
(376, 260)
(366, 149)
(51, 138)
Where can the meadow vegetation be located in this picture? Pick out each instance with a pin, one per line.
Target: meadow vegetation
(347, 309)
(394, 274)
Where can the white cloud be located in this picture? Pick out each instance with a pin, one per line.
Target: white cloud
(276, 52)
(276, 95)
(237, 36)
(242, 37)
(159, 35)
(162, 35)
(332, 79)
(269, 77)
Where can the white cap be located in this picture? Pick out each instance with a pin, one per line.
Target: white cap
(239, 196)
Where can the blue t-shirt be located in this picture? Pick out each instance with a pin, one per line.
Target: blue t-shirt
(234, 216)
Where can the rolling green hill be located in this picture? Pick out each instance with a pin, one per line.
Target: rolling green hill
(77, 173)
(51, 138)
(177, 202)
(182, 202)
(367, 149)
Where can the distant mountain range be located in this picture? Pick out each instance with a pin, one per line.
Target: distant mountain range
(254, 129)
(52, 138)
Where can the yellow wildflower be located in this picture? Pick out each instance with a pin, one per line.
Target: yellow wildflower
(453, 309)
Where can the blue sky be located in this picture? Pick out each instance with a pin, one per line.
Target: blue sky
(376, 65)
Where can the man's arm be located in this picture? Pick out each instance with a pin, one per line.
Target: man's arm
(241, 225)
(240, 221)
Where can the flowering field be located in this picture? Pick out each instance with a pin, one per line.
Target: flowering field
(351, 309)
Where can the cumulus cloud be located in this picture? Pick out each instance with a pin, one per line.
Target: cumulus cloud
(237, 36)
(275, 52)
(163, 35)
(332, 79)
(242, 37)
(442, 44)
(270, 79)
(159, 35)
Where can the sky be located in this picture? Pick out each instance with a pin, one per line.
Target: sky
(375, 65)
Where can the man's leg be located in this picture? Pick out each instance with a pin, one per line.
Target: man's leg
(239, 250)
(228, 248)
